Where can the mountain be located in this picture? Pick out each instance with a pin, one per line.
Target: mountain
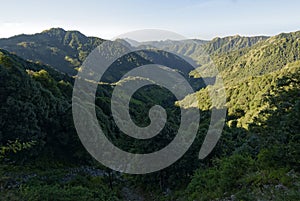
(64, 50)
(264, 57)
(197, 49)
(231, 43)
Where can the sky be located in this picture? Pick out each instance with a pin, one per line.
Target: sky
(203, 19)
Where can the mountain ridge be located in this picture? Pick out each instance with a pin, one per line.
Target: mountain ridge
(72, 47)
(64, 50)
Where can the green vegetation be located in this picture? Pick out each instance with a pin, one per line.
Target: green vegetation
(263, 57)
(56, 183)
(266, 164)
(65, 50)
(257, 157)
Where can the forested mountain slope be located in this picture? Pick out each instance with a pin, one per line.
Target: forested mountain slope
(264, 57)
(64, 50)
(266, 164)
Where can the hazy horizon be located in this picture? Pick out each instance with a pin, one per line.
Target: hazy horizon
(135, 39)
(203, 19)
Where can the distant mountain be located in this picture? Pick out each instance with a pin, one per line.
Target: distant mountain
(132, 42)
(264, 57)
(231, 43)
(64, 50)
(196, 49)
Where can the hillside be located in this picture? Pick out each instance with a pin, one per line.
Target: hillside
(231, 43)
(264, 57)
(64, 50)
(32, 100)
(199, 49)
(264, 163)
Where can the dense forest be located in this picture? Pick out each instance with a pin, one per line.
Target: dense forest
(256, 158)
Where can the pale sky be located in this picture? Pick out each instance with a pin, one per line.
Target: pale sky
(203, 19)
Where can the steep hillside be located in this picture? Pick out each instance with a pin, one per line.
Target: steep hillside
(32, 103)
(245, 100)
(265, 166)
(264, 57)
